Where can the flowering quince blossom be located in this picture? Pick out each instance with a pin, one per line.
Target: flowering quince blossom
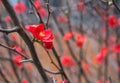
(24, 81)
(85, 66)
(62, 18)
(117, 48)
(67, 61)
(7, 18)
(42, 12)
(118, 21)
(37, 4)
(17, 59)
(61, 81)
(20, 7)
(101, 55)
(112, 21)
(80, 6)
(67, 36)
(80, 40)
(41, 9)
(45, 36)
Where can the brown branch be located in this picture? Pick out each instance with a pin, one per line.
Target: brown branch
(14, 50)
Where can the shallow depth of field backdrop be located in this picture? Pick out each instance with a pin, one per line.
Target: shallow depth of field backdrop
(59, 41)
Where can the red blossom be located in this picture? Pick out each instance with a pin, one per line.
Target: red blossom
(104, 51)
(98, 58)
(112, 21)
(61, 81)
(86, 66)
(118, 21)
(7, 18)
(45, 36)
(24, 81)
(17, 59)
(67, 61)
(117, 49)
(37, 4)
(80, 6)
(42, 12)
(20, 7)
(62, 18)
(67, 36)
(80, 40)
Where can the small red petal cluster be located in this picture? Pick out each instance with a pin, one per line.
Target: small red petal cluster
(117, 48)
(45, 36)
(7, 18)
(24, 81)
(112, 21)
(80, 40)
(101, 55)
(119, 21)
(68, 35)
(85, 66)
(80, 6)
(102, 81)
(20, 7)
(40, 8)
(61, 81)
(62, 18)
(67, 61)
(17, 59)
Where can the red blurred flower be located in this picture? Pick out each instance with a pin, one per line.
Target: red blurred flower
(61, 81)
(85, 66)
(20, 7)
(80, 40)
(45, 36)
(37, 4)
(118, 21)
(80, 6)
(67, 36)
(67, 61)
(98, 58)
(42, 12)
(17, 59)
(118, 69)
(62, 18)
(117, 49)
(7, 18)
(24, 81)
(112, 21)
(104, 51)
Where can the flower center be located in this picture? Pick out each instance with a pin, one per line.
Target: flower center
(42, 34)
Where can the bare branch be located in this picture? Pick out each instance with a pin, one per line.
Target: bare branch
(15, 29)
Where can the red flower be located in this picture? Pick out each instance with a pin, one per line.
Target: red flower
(86, 66)
(24, 81)
(119, 21)
(67, 61)
(104, 51)
(61, 81)
(37, 4)
(7, 18)
(45, 36)
(42, 12)
(80, 40)
(117, 49)
(112, 21)
(67, 36)
(62, 18)
(17, 59)
(80, 6)
(20, 7)
(99, 58)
